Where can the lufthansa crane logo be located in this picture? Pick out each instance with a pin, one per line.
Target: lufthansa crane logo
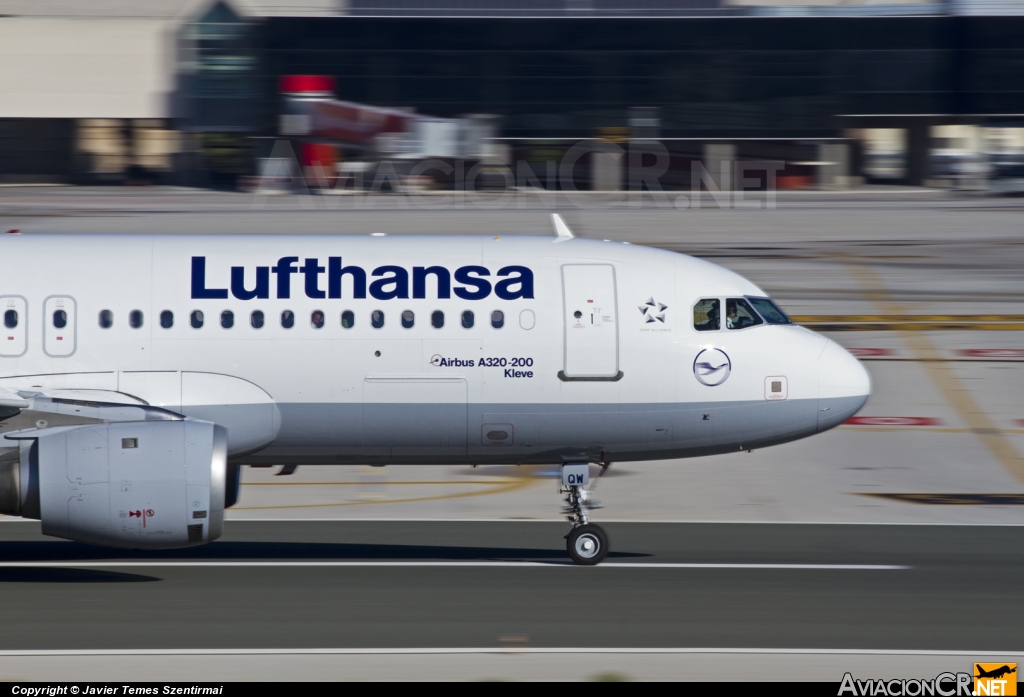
(711, 367)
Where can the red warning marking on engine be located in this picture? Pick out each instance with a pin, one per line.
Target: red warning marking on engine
(868, 352)
(148, 513)
(991, 353)
(893, 421)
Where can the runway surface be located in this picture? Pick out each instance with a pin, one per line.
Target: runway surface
(382, 585)
(925, 287)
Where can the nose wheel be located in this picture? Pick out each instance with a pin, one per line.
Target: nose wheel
(587, 544)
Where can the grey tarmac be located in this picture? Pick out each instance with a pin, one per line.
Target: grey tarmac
(761, 586)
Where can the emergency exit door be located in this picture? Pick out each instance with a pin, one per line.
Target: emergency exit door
(591, 321)
(59, 326)
(14, 325)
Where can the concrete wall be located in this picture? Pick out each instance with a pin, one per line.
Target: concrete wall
(56, 68)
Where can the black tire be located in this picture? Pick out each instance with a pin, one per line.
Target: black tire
(587, 544)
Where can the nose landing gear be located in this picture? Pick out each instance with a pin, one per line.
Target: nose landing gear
(586, 543)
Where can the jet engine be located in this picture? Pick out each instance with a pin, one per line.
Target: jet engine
(134, 484)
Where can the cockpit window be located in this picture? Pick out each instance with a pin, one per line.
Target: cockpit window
(739, 314)
(770, 311)
(706, 315)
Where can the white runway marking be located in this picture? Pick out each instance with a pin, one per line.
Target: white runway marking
(443, 564)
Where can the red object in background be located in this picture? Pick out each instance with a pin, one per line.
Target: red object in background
(318, 160)
(794, 181)
(307, 84)
(862, 352)
(893, 421)
(348, 122)
(992, 353)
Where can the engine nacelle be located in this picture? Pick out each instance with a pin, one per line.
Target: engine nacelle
(137, 484)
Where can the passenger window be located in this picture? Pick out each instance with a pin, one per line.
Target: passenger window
(316, 319)
(739, 314)
(497, 319)
(135, 319)
(527, 319)
(769, 311)
(196, 319)
(256, 319)
(287, 319)
(467, 319)
(706, 315)
(106, 319)
(348, 319)
(377, 319)
(227, 319)
(408, 319)
(437, 319)
(166, 319)
(60, 319)
(11, 319)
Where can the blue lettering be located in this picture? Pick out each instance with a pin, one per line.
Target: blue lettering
(483, 288)
(524, 280)
(312, 271)
(262, 289)
(334, 273)
(392, 281)
(284, 271)
(399, 278)
(199, 289)
(419, 281)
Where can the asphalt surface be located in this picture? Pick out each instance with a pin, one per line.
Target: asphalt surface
(336, 584)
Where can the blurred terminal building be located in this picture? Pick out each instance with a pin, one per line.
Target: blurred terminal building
(236, 93)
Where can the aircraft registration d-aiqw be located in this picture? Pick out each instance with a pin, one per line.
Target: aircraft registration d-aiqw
(139, 372)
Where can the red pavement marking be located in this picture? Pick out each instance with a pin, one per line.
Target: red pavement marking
(865, 352)
(992, 352)
(893, 421)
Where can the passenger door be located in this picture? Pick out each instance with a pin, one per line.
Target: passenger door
(14, 325)
(591, 321)
(59, 326)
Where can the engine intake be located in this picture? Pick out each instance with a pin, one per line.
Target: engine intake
(138, 484)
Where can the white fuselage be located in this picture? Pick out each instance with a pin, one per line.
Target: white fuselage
(619, 382)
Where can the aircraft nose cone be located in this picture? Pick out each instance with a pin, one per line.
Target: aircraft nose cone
(843, 386)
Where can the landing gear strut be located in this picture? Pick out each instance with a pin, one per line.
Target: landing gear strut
(586, 543)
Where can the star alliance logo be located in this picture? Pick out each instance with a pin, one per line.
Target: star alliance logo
(653, 311)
